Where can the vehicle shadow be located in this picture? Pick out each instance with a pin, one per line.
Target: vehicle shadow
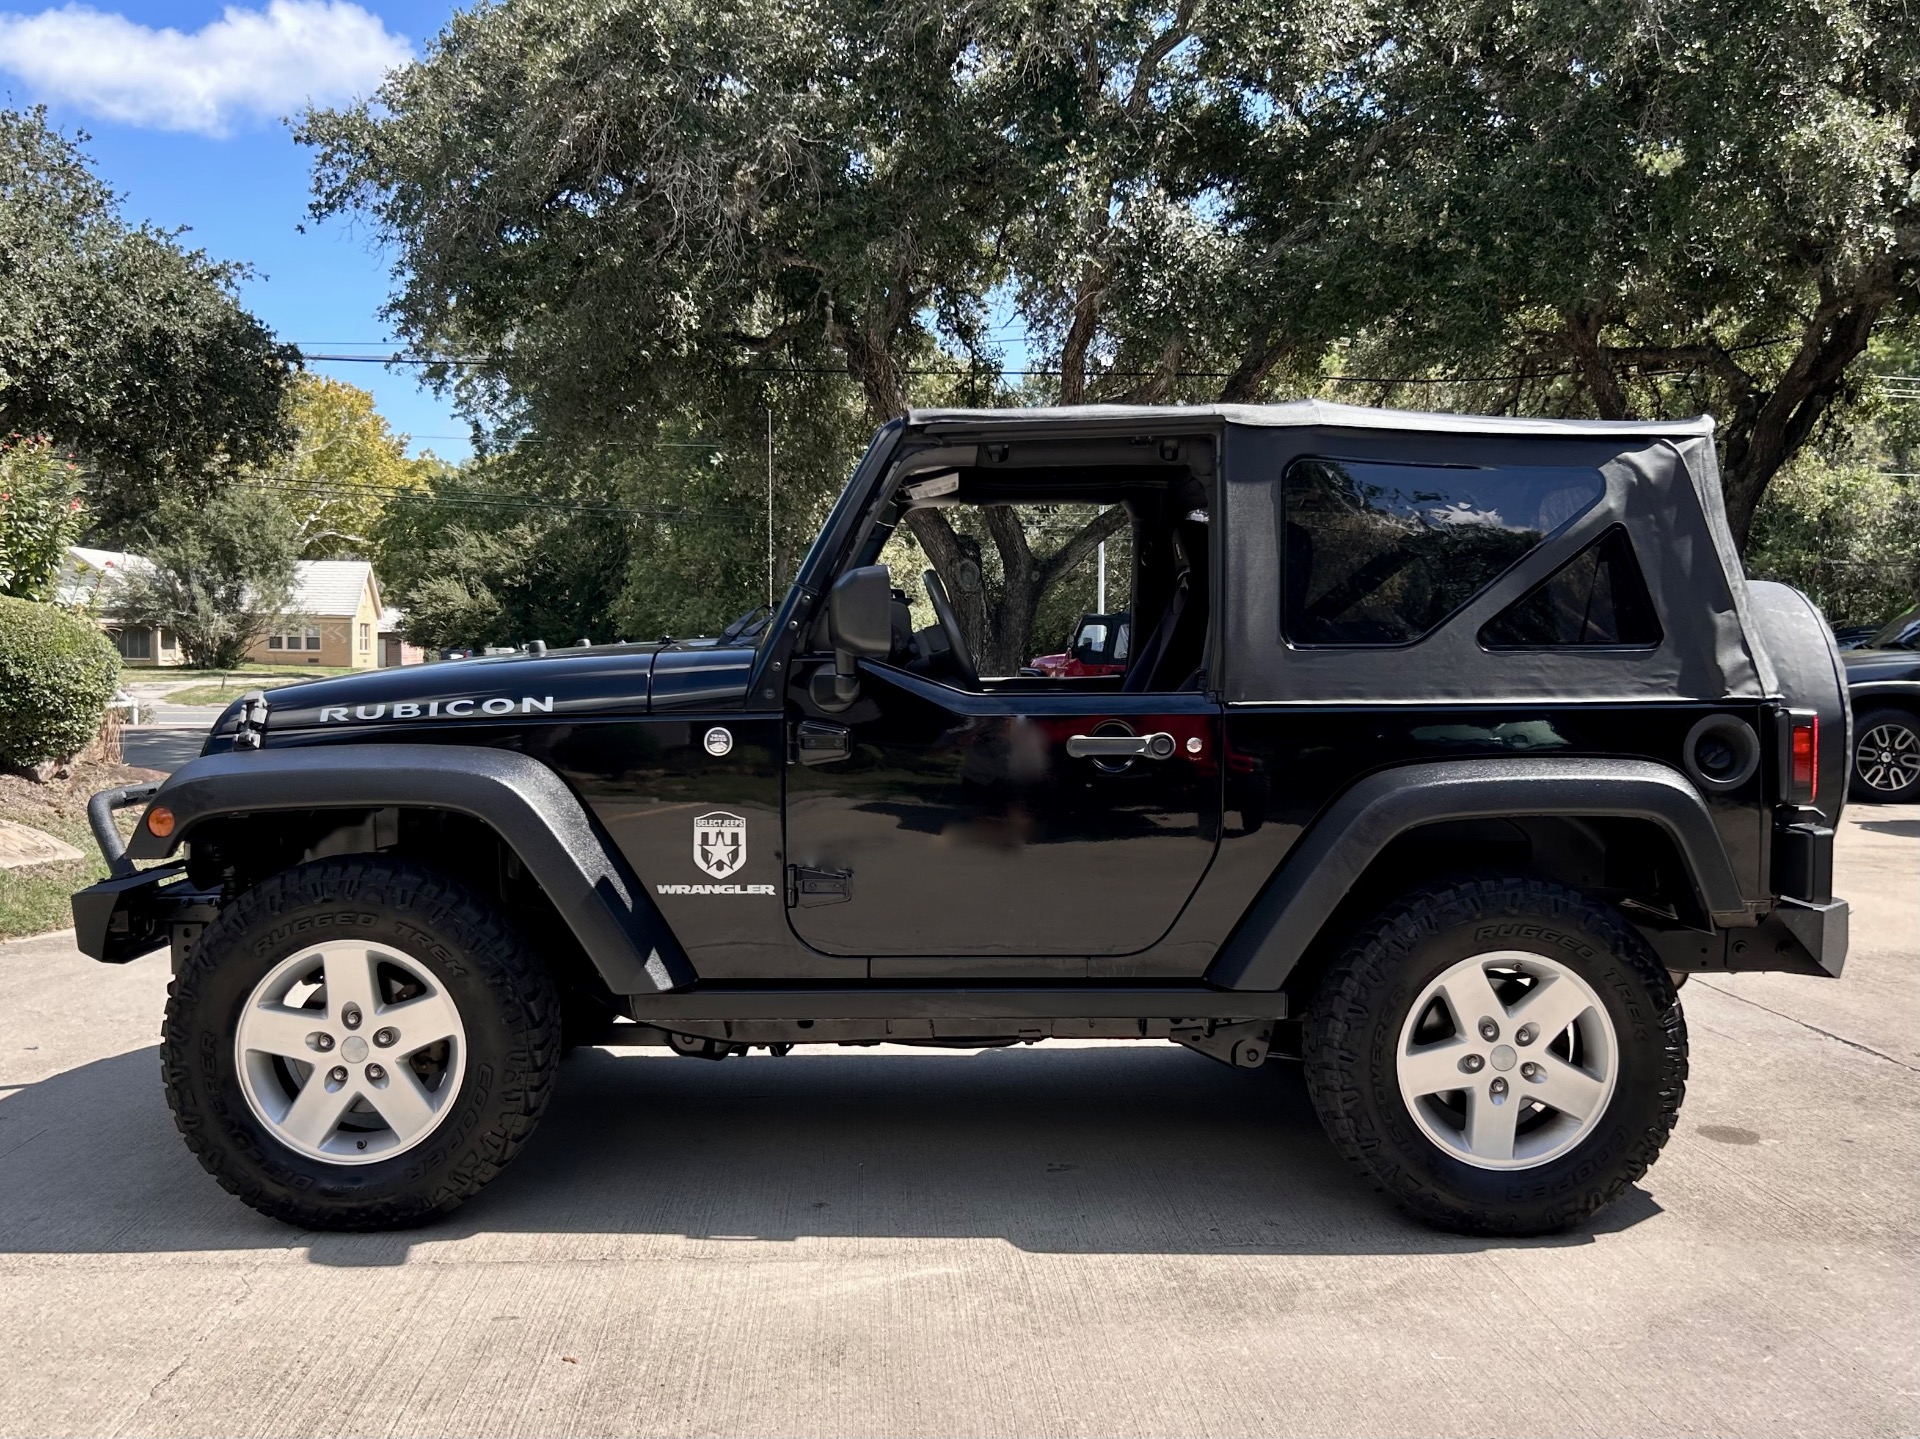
(1902, 828)
(1116, 1149)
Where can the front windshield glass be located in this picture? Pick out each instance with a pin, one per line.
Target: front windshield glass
(1901, 633)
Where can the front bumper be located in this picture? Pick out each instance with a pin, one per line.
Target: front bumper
(134, 911)
(128, 915)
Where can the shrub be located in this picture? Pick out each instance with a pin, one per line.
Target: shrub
(40, 515)
(57, 673)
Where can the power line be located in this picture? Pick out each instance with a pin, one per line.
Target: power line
(482, 500)
(1054, 372)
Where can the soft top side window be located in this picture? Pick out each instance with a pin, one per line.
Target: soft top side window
(1596, 599)
(1381, 553)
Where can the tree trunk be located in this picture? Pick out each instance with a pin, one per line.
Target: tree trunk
(1760, 427)
(1769, 429)
(999, 628)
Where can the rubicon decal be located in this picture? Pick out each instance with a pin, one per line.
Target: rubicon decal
(437, 709)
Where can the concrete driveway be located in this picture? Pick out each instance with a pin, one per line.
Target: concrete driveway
(1102, 1239)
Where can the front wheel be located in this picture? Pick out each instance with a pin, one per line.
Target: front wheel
(1501, 1055)
(359, 1044)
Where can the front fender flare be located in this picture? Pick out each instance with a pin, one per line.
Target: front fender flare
(1331, 856)
(520, 799)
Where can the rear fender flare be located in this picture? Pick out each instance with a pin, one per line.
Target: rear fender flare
(525, 803)
(1330, 857)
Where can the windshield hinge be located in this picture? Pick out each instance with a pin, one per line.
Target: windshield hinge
(817, 743)
(251, 725)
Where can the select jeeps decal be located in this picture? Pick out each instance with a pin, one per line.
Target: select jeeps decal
(720, 849)
(437, 709)
(720, 843)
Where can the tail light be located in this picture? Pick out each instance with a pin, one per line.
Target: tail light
(1800, 765)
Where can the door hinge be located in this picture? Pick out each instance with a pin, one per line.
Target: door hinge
(809, 887)
(817, 743)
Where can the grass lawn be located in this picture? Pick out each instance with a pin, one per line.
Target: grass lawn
(233, 686)
(34, 899)
(248, 673)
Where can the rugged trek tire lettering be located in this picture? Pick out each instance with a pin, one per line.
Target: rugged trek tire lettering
(1353, 1030)
(507, 1003)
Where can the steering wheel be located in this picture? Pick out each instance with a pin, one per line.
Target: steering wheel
(950, 624)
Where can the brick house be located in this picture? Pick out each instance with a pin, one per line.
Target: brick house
(88, 579)
(333, 618)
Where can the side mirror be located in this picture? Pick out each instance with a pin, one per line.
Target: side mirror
(860, 626)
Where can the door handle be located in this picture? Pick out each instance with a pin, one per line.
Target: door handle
(1121, 746)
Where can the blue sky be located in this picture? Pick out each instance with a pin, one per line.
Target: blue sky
(184, 125)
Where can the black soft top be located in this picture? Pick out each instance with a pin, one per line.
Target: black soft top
(1657, 480)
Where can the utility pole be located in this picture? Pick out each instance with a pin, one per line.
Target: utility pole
(1100, 604)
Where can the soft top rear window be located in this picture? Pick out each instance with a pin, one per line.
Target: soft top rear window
(1380, 553)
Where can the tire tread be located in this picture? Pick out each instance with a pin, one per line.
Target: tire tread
(1379, 954)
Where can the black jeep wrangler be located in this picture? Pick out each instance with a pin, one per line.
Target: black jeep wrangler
(1446, 750)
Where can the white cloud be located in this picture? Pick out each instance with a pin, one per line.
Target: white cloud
(245, 67)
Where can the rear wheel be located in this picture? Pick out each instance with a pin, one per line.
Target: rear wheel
(1501, 1055)
(359, 1044)
(1886, 757)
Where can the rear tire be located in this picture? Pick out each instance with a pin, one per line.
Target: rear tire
(359, 1043)
(1542, 1128)
(1886, 757)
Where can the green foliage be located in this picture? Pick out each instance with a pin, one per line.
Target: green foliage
(120, 343)
(1846, 534)
(502, 552)
(661, 534)
(344, 467)
(40, 515)
(634, 212)
(1625, 211)
(221, 574)
(57, 673)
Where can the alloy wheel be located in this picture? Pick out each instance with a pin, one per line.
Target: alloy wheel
(350, 1053)
(1507, 1060)
(1887, 758)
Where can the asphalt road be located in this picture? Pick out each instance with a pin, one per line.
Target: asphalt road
(164, 748)
(1101, 1239)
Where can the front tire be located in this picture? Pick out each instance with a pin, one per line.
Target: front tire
(1502, 1055)
(359, 1043)
(1886, 757)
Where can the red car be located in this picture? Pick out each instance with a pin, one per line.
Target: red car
(1100, 646)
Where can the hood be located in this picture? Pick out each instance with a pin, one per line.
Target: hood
(1864, 666)
(602, 680)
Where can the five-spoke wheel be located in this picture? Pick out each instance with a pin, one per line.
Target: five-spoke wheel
(359, 1043)
(350, 1053)
(1506, 1059)
(1501, 1054)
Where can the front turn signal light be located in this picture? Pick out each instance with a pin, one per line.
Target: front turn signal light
(160, 821)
